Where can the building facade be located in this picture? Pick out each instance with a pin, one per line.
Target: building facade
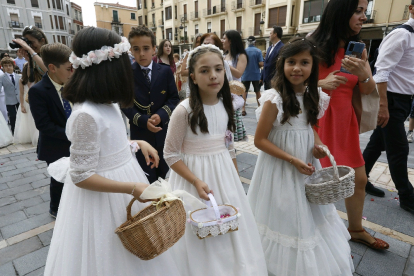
(52, 16)
(116, 17)
(76, 18)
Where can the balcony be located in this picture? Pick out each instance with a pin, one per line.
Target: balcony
(311, 19)
(161, 23)
(237, 5)
(15, 24)
(257, 3)
(38, 25)
(153, 6)
(72, 32)
(370, 17)
(215, 10)
(194, 16)
(152, 25)
(116, 20)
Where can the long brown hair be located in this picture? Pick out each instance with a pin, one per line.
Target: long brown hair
(291, 104)
(25, 74)
(217, 40)
(198, 118)
(161, 51)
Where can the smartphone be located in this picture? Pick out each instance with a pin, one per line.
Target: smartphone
(354, 49)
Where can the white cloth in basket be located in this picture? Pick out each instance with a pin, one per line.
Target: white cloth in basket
(238, 253)
(84, 242)
(298, 238)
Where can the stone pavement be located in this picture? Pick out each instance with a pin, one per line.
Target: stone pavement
(26, 227)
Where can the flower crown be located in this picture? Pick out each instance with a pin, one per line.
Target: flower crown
(97, 56)
(193, 52)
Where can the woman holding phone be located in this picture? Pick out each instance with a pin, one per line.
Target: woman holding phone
(341, 23)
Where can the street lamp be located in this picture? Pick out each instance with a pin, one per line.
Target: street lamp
(183, 19)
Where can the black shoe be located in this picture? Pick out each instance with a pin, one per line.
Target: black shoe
(370, 189)
(407, 204)
(53, 214)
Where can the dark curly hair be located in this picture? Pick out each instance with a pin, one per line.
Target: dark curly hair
(198, 118)
(291, 105)
(142, 31)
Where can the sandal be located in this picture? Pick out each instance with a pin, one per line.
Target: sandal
(378, 244)
(244, 113)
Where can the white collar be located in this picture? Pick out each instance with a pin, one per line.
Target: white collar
(12, 74)
(149, 66)
(273, 45)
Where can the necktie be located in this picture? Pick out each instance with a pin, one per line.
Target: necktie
(146, 71)
(66, 106)
(12, 79)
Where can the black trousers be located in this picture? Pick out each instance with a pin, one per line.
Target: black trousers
(393, 140)
(155, 173)
(12, 113)
(267, 85)
(55, 193)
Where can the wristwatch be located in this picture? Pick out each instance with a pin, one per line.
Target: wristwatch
(366, 80)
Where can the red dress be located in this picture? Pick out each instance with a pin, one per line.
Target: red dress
(338, 128)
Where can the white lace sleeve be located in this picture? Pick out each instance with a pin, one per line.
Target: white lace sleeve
(84, 150)
(323, 102)
(175, 135)
(274, 97)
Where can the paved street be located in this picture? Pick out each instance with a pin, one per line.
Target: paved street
(26, 227)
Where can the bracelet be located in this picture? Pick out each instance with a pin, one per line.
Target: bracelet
(132, 193)
(366, 80)
(34, 54)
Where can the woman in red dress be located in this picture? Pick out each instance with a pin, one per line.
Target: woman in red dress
(342, 22)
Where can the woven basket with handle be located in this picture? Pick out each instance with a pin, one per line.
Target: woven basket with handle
(331, 184)
(151, 232)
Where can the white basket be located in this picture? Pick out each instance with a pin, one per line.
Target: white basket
(207, 222)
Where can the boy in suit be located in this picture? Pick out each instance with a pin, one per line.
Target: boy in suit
(156, 97)
(10, 82)
(50, 112)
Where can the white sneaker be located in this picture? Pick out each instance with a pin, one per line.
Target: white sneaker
(410, 137)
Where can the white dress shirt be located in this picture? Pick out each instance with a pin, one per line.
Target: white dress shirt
(395, 61)
(273, 46)
(148, 67)
(12, 74)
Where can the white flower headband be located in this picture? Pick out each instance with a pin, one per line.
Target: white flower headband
(97, 56)
(191, 54)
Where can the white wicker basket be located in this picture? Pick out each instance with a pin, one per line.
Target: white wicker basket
(207, 222)
(330, 184)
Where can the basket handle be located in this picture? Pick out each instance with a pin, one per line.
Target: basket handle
(128, 208)
(332, 159)
(212, 203)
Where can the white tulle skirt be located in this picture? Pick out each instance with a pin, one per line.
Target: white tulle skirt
(298, 238)
(25, 130)
(237, 253)
(6, 137)
(84, 242)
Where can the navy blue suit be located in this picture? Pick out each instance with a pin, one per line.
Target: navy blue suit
(269, 67)
(50, 119)
(161, 97)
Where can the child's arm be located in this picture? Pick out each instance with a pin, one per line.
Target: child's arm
(135, 117)
(317, 150)
(172, 150)
(21, 94)
(261, 141)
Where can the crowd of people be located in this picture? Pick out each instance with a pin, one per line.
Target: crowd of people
(184, 119)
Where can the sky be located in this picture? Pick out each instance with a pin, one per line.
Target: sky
(88, 8)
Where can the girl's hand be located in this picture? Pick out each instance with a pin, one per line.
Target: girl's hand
(150, 154)
(302, 167)
(357, 66)
(332, 81)
(23, 109)
(22, 43)
(202, 189)
(318, 152)
(139, 188)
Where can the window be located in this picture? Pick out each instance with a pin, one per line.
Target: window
(257, 18)
(115, 16)
(61, 23)
(196, 9)
(223, 6)
(196, 29)
(153, 19)
(14, 17)
(168, 13)
(139, 20)
(222, 27)
(64, 39)
(175, 12)
(35, 3)
(146, 20)
(53, 4)
(56, 22)
(169, 33)
(58, 36)
(277, 16)
(239, 24)
(48, 4)
(133, 16)
(185, 11)
(54, 39)
(139, 4)
(208, 7)
(11, 2)
(313, 9)
(38, 21)
(209, 27)
(67, 9)
(78, 27)
(51, 21)
(239, 4)
(59, 5)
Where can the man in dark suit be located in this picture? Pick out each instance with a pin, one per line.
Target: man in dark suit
(156, 97)
(271, 56)
(50, 112)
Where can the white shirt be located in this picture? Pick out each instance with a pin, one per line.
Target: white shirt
(395, 61)
(12, 74)
(273, 46)
(148, 67)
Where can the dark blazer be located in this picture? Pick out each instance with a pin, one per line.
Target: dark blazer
(161, 97)
(50, 120)
(269, 67)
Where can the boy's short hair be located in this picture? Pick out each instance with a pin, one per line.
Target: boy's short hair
(176, 55)
(7, 60)
(142, 31)
(55, 53)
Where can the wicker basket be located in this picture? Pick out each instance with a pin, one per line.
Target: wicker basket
(151, 232)
(207, 222)
(237, 87)
(330, 184)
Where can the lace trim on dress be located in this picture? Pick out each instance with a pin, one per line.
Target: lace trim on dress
(216, 230)
(382, 76)
(274, 97)
(115, 160)
(324, 100)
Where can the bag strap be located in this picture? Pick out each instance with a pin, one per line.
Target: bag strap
(212, 203)
(404, 26)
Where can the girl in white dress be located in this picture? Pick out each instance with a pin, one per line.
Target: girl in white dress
(103, 174)
(298, 238)
(25, 130)
(195, 149)
(6, 137)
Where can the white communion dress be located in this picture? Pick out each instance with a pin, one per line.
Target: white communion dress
(236, 253)
(25, 130)
(298, 238)
(84, 242)
(6, 137)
